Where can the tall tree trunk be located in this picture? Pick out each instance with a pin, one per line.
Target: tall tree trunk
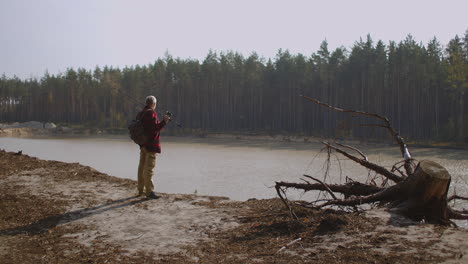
(461, 117)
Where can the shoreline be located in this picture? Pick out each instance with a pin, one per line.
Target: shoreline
(34, 132)
(61, 212)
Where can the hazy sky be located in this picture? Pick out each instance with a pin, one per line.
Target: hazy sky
(40, 35)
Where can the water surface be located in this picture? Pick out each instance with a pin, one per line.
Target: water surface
(238, 169)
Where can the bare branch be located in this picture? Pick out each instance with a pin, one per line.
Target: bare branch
(460, 211)
(278, 190)
(371, 125)
(457, 197)
(367, 164)
(353, 148)
(395, 168)
(343, 110)
(451, 214)
(350, 188)
(401, 142)
(382, 196)
(324, 185)
(289, 244)
(313, 202)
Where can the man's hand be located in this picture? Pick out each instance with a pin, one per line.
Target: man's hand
(166, 119)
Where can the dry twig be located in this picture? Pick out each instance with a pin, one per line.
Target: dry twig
(289, 244)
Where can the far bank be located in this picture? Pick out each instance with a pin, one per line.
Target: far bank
(35, 128)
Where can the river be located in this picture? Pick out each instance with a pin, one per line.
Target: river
(238, 169)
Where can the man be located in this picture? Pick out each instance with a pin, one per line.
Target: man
(149, 150)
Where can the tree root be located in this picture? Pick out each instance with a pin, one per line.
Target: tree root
(453, 214)
(348, 189)
(419, 193)
(454, 197)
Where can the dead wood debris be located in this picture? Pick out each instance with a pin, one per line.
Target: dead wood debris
(419, 189)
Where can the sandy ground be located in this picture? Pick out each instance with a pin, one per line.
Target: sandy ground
(55, 212)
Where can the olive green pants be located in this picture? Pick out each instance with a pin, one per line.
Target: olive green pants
(146, 171)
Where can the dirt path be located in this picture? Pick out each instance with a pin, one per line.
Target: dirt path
(55, 212)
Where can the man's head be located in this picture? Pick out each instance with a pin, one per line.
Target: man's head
(151, 101)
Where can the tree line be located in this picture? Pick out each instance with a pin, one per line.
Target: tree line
(420, 87)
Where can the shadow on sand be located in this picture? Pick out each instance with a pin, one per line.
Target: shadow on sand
(50, 222)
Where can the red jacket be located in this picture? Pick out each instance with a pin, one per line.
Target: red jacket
(152, 127)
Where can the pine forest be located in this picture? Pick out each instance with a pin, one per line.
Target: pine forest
(421, 88)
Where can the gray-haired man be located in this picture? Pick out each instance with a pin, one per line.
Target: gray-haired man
(149, 150)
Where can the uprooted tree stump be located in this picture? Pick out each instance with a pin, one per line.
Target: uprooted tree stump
(419, 191)
(425, 192)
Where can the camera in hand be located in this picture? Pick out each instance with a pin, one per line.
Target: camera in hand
(169, 114)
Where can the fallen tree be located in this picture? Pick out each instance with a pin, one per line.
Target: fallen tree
(418, 189)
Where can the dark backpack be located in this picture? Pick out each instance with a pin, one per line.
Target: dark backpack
(136, 129)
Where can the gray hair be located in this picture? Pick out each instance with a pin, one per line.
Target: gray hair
(150, 100)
